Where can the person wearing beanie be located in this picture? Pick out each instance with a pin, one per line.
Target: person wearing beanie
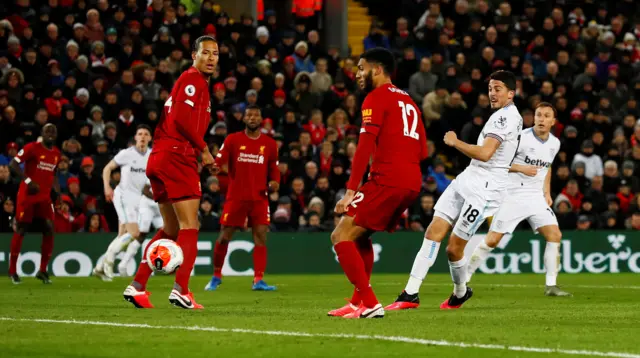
(593, 162)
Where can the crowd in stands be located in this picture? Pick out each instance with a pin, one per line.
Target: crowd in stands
(97, 69)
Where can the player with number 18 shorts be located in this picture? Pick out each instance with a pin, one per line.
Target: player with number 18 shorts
(530, 198)
(393, 134)
(473, 196)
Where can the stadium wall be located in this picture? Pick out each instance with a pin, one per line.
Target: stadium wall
(592, 251)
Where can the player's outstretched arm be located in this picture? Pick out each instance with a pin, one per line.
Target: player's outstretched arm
(528, 170)
(106, 179)
(482, 153)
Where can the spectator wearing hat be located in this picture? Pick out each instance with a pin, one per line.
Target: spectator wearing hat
(209, 219)
(63, 219)
(578, 174)
(625, 196)
(628, 168)
(235, 118)
(12, 82)
(72, 51)
(77, 197)
(302, 95)
(593, 162)
(11, 151)
(90, 183)
(376, 38)
(81, 104)
(584, 223)
(597, 194)
(278, 108)
(303, 62)
(55, 104)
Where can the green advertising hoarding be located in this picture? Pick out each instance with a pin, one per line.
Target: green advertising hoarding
(592, 251)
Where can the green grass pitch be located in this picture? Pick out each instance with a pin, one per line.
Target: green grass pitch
(84, 317)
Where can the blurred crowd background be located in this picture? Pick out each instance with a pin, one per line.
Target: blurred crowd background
(97, 69)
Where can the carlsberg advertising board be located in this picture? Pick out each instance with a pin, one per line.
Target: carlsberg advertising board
(592, 251)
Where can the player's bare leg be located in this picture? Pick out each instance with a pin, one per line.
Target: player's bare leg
(426, 257)
(136, 292)
(260, 258)
(553, 236)
(482, 251)
(343, 239)
(130, 253)
(458, 268)
(45, 252)
(187, 214)
(16, 246)
(219, 255)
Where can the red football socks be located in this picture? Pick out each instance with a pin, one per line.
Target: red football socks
(353, 266)
(365, 248)
(188, 241)
(46, 251)
(16, 245)
(219, 254)
(144, 271)
(259, 262)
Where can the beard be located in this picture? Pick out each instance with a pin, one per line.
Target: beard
(253, 127)
(368, 82)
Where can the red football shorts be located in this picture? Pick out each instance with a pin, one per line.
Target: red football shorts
(378, 207)
(173, 176)
(236, 212)
(27, 209)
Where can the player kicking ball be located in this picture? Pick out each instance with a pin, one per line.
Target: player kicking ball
(126, 198)
(473, 196)
(252, 160)
(173, 172)
(393, 133)
(149, 214)
(40, 161)
(529, 198)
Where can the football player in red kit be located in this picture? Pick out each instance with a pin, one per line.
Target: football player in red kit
(40, 161)
(393, 133)
(252, 159)
(173, 171)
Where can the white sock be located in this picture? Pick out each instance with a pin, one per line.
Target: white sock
(118, 244)
(132, 250)
(552, 262)
(480, 254)
(425, 258)
(459, 276)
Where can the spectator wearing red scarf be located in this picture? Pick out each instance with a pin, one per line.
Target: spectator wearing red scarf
(325, 158)
(54, 104)
(572, 194)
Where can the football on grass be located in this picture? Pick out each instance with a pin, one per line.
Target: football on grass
(164, 256)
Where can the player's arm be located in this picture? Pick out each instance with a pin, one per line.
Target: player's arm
(482, 152)
(23, 156)
(547, 187)
(371, 125)
(528, 170)
(146, 191)
(106, 177)
(274, 172)
(222, 157)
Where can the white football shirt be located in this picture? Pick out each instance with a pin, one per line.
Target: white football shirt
(133, 166)
(533, 151)
(504, 125)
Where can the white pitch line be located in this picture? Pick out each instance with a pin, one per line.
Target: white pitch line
(420, 341)
(507, 285)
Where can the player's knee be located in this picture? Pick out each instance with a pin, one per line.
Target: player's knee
(224, 237)
(337, 236)
(455, 252)
(48, 228)
(436, 232)
(260, 240)
(492, 239)
(20, 228)
(554, 236)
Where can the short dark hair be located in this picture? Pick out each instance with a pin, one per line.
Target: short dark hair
(201, 39)
(253, 106)
(506, 77)
(144, 126)
(548, 105)
(382, 57)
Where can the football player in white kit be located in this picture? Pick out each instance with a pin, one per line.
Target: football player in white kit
(149, 214)
(473, 196)
(126, 198)
(529, 198)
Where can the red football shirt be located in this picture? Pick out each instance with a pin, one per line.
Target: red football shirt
(391, 116)
(252, 164)
(186, 115)
(40, 166)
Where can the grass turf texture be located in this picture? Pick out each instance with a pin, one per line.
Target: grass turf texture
(506, 310)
